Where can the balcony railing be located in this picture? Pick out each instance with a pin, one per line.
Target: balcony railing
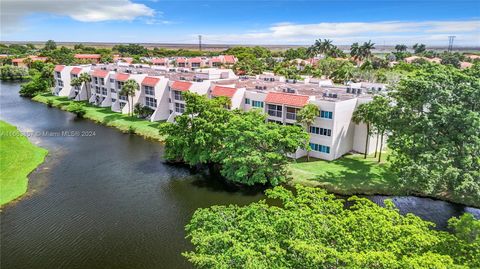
(291, 116)
(275, 113)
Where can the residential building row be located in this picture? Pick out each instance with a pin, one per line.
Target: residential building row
(333, 133)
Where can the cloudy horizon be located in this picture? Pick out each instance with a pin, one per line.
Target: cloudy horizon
(287, 22)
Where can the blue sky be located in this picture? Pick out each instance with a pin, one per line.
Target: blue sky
(242, 22)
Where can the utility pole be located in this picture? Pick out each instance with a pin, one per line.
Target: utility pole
(450, 42)
(200, 42)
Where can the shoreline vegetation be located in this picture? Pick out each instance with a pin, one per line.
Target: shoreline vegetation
(18, 158)
(106, 116)
(349, 175)
(354, 175)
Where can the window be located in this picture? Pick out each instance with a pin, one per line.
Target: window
(112, 80)
(95, 80)
(57, 74)
(320, 131)
(122, 104)
(247, 101)
(102, 81)
(113, 90)
(275, 111)
(97, 89)
(177, 95)
(149, 90)
(179, 108)
(60, 83)
(257, 104)
(291, 113)
(123, 97)
(151, 102)
(326, 114)
(114, 100)
(320, 148)
(104, 91)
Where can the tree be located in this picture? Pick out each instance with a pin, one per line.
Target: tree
(344, 73)
(50, 45)
(401, 48)
(85, 78)
(33, 87)
(76, 83)
(309, 228)
(418, 48)
(196, 134)
(450, 59)
(255, 152)
(240, 145)
(129, 89)
(364, 114)
(434, 132)
(366, 49)
(306, 116)
(355, 51)
(380, 112)
(77, 108)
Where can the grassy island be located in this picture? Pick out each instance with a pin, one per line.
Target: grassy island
(106, 116)
(18, 157)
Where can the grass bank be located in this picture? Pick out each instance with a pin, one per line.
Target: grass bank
(18, 157)
(352, 174)
(106, 116)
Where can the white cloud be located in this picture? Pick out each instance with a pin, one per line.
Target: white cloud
(13, 11)
(432, 32)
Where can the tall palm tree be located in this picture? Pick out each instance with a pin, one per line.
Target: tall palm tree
(355, 51)
(76, 82)
(85, 78)
(366, 49)
(129, 89)
(401, 47)
(306, 116)
(363, 114)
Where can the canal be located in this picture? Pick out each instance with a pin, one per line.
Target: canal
(108, 200)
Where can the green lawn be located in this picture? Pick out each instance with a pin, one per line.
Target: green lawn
(351, 174)
(18, 157)
(108, 117)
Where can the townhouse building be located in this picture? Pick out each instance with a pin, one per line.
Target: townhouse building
(332, 135)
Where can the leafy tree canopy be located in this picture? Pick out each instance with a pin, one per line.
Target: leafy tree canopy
(435, 123)
(313, 229)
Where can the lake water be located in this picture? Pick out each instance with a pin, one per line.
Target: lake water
(110, 201)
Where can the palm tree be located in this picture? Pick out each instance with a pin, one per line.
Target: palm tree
(366, 49)
(76, 82)
(355, 51)
(28, 62)
(401, 48)
(363, 114)
(128, 90)
(85, 78)
(306, 116)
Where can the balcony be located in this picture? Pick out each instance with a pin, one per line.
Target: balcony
(291, 116)
(275, 113)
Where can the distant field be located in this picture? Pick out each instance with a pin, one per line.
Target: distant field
(220, 47)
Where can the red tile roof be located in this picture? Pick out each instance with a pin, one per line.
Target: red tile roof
(87, 56)
(158, 61)
(216, 60)
(223, 91)
(150, 81)
(100, 73)
(121, 77)
(18, 60)
(181, 86)
(286, 99)
(59, 68)
(195, 60)
(230, 59)
(181, 60)
(76, 71)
